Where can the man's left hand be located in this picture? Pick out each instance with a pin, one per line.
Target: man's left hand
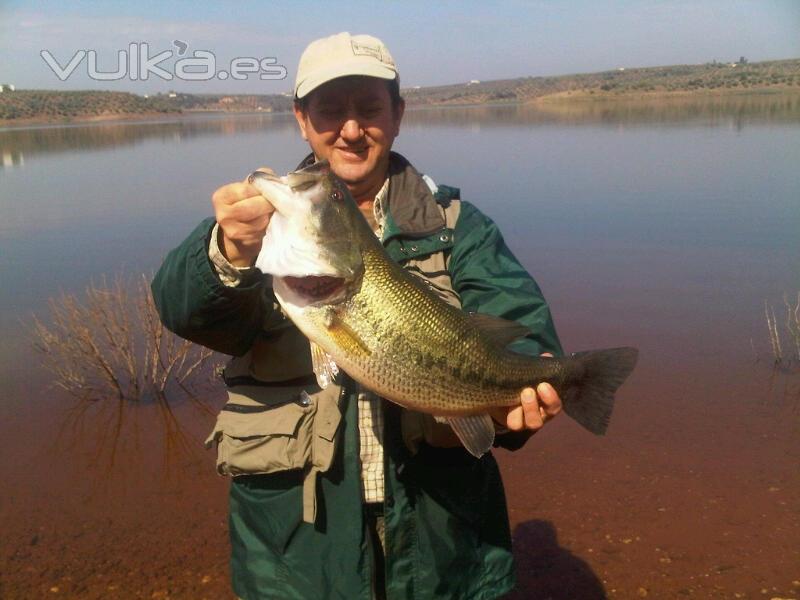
(537, 406)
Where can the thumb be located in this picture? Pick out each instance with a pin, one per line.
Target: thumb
(261, 169)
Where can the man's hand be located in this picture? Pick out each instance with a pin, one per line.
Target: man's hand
(537, 406)
(243, 215)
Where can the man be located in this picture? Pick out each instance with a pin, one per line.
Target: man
(338, 493)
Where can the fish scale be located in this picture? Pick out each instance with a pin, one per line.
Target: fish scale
(393, 334)
(424, 353)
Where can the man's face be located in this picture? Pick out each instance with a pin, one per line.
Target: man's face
(350, 122)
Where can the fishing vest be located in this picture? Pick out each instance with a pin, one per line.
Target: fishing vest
(277, 418)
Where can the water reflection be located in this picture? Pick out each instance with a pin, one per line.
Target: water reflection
(715, 111)
(12, 158)
(709, 110)
(109, 135)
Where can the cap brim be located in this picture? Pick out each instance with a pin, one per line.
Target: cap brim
(312, 82)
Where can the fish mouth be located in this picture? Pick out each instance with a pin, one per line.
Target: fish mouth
(316, 288)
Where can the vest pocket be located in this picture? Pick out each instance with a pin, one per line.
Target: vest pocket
(266, 440)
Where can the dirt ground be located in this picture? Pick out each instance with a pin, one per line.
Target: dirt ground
(694, 493)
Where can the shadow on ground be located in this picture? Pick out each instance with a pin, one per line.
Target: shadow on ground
(545, 571)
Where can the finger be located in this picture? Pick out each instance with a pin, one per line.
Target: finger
(251, 232)
(549, 400)
(246, 209)
(547, 354)
(243, 223)
(271, 172)
(245, 235)
(515, 419)
(530, 408)
(233, 193)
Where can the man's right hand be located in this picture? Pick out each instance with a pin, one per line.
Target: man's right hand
(243, 215)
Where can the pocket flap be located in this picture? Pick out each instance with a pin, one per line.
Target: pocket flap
(327, 424)
(329, 415)
(280, 420)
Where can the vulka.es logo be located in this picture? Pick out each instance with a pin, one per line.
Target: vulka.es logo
(137, 64)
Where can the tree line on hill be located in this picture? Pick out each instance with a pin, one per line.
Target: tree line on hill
(741, 76)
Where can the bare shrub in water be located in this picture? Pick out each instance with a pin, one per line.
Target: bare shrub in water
(112, 344)
(110, 351)
(792, 326)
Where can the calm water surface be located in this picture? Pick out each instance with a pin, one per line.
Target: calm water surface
(664, 226)
(693, 205)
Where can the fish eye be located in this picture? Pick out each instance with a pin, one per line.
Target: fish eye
(336, 194)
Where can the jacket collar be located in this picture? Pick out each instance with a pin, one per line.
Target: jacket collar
(410, 208)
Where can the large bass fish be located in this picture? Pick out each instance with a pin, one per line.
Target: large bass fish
(368, 316)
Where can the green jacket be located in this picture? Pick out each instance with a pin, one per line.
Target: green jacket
(447, 530)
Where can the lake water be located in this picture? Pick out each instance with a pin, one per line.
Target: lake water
(663, 225)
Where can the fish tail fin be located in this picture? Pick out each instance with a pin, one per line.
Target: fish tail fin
(591, 399)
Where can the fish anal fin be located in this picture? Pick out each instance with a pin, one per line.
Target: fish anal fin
(499, 331)
(476, 432)
(323, 366)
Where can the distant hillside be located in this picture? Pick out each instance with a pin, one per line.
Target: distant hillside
(621, 83)
(65, 106)
(229, 102)
(712, 78)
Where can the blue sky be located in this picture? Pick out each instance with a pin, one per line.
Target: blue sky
(432, 42)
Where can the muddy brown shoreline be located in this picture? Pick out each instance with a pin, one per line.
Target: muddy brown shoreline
(659, 508)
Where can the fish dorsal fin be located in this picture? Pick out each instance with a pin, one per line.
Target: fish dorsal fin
(323, 365)
(499, 331)
(476, 432)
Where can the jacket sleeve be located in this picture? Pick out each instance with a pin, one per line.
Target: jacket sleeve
(193, 302)
(491, 280)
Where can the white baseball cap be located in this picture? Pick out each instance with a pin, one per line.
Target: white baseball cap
(342, 55)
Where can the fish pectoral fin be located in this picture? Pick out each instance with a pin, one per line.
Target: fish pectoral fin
(323, 366)
(499, 331)
(476, 432)
(345, 337)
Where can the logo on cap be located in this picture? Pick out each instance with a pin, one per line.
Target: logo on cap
(362, 49)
